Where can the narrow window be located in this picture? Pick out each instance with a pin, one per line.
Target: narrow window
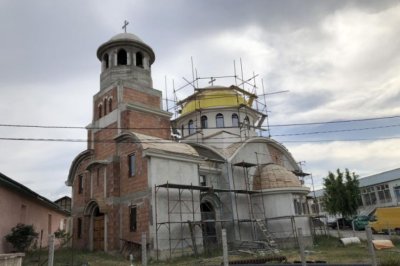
(203, 181)
(139, 59)
(132, 218)
(191, 127)
(204, 122)
(121, 57)
(100, 110)
(235, 120)
(105, 106)
(182, 129)
(98, 176)
(79, 228)
(132, 164)
(110, 104)
(80, 184)
(105, 60)
(219, 120)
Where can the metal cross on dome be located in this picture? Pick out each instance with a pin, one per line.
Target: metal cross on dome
(125, 25)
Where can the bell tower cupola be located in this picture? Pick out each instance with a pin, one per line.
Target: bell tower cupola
(125, 57)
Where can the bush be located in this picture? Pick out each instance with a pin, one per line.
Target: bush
(21, 236)
(63, 236)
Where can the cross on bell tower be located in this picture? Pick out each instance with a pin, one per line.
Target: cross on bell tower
(126, 23)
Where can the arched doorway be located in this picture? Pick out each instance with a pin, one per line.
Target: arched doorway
(98, 230)
(208, 218)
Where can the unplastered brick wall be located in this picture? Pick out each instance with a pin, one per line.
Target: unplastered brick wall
(133, 95)
(147, 123)
(104, 101)
(142, 218)
(138, 182)
(104, 145)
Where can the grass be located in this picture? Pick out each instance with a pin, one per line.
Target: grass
(326, 248)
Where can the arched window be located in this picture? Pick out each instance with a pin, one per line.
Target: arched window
(219, 120)
(105, 106)
(110, 104)
(105, 61)
(139, 59)
(235, 120)
(191, 127)
(182, 130)
(121, 57)
(100, 110)
(204, 122)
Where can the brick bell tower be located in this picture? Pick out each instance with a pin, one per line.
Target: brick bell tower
(126, 100)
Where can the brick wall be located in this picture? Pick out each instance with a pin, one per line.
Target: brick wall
(104, 145)
(146, 123)
(132, 95)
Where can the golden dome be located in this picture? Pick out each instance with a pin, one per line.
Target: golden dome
(214, 97)
(274, 176)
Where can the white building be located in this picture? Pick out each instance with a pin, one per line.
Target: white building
(379, 190)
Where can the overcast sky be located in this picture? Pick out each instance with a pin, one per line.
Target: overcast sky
(339, 60)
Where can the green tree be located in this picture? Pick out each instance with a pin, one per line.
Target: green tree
(21, 236)
(342, 193)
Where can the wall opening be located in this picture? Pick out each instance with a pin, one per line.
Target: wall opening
(122, 58)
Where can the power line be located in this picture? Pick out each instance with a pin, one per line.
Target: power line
(129, 128)
(161, 141)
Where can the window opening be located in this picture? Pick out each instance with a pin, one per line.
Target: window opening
(105, 60)
(384, 193)
(219, 120)
(79, 227)
(204, 122)
(132, 164)
(132, 218)
(100, 110)
(139, 59)
(182, 129)
(235, 120)
(203, 181)
(110, 105)
(191, 127)
(98, 176)
(80, 184)
(369, 196)
(121, 57)
(105, 106)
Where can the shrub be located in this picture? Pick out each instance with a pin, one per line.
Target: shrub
(21, 237)
(63, 236)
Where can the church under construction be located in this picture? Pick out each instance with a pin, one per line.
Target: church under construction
(181, 180)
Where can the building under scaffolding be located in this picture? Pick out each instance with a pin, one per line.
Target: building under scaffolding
(218, 169)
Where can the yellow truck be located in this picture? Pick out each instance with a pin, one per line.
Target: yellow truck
(383, 219)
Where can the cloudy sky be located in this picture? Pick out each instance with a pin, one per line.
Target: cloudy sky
(338, 60)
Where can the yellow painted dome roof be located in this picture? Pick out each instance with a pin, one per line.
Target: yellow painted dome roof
(274, 176)
(214, 97)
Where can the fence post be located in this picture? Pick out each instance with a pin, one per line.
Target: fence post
(51, 250)
(301, 246)
(225, 247)
(144, 250)
(371, 246)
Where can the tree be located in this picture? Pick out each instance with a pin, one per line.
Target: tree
(342, 193)
(21, 236)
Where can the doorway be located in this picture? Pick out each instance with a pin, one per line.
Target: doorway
(208, 225)
(98, 230)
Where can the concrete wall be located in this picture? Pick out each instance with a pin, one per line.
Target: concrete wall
(17, 208)
(179, 208)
